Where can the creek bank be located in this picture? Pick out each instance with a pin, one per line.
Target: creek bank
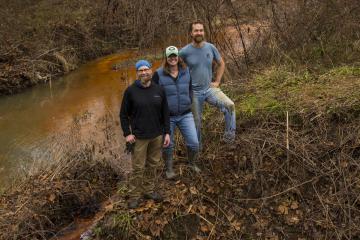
(256, 188)
(43, 206)
(260, 189)
(18, 75)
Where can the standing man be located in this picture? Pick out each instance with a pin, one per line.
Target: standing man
(144, 117)
(200, 55)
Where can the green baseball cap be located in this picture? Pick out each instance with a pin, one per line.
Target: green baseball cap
(171, 50)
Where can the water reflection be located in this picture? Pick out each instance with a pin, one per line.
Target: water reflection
(30, 121)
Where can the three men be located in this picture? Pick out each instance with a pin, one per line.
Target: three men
(199, 56)
(144, 111)
(144, 117)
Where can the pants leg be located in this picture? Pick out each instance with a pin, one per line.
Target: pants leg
(169, 151)
(188, 130)
(170, 148)
(218, 99)
(138, 164)
(197, 108)
(152, 164)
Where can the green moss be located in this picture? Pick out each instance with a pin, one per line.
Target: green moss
(116, 226)
(278, 89)
(251, 104)
(98, 231)
(344, 71)
(122, 220)
(122, 188)
(281, 78)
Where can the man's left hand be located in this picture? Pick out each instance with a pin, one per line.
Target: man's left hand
(166, 140)
(214, 84)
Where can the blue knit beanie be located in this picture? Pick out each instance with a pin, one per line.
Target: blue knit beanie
(142, 63)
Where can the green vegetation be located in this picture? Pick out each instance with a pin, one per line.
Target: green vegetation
(278, 89)
(277, 181)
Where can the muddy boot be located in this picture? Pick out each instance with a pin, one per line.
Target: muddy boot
(193, 157)
(168, 157)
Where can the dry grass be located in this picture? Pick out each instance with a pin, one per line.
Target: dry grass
(261, 189)
(257, 190)
(73, 185)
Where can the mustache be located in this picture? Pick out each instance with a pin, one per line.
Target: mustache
(145, 76)
(198, 38)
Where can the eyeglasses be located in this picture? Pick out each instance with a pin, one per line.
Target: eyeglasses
(143, 70)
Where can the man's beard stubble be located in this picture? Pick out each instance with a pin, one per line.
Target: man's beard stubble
(198, 39)
(146, 78)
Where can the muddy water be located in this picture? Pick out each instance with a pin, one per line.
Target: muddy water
(30, 120)
(81, 226)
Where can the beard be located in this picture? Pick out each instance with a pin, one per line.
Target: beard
(198, 39)
(145, 78)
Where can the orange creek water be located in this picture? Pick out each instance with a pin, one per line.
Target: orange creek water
(30, 120)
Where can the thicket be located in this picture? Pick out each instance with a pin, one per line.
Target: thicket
(285, 178)
(43, 39)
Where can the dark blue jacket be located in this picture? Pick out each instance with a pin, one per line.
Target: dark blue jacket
(178, 90)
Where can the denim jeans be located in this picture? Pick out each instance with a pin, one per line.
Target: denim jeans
(215, 97)
(186, 125)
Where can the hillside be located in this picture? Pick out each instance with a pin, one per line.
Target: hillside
(293, 70)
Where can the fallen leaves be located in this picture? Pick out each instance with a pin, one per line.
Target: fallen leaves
(193, 190)
(52, 197)
(211, 212)
(294, 205)
(205, 228)
(283, 209)
(292, 219)
(285, 206)
(237, 225)
(289, 209)
(149, 205)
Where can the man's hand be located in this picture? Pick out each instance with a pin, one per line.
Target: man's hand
(130, 138)
(214, 84)
(166, 140)
(219, 73)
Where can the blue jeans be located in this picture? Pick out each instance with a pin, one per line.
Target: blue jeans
(186, 125)
(215, 97)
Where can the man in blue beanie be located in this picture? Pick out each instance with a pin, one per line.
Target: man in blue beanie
(144, 117)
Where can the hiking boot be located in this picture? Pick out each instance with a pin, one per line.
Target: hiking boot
(170, 175)
(154, 196)
(193, 157)
(229, 138)
(168, 157)
(134, 203)
(195, 168)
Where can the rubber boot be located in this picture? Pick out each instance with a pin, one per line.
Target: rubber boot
(193, 157)
(168, 157)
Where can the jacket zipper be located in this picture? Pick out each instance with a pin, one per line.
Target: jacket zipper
(177, 92)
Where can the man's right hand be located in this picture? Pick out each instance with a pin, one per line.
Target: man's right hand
(214, 84)
(130, 138)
